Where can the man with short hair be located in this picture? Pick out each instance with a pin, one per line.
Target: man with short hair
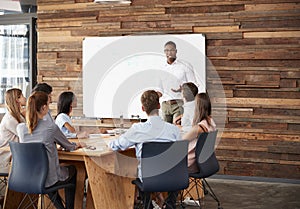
(44, 87)
(154, 129)
(176, 73)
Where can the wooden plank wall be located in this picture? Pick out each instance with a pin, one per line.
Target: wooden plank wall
(254, 50)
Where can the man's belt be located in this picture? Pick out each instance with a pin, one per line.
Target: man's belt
(173, 101)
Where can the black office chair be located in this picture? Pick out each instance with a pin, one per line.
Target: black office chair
(208, 165)
(29, 172)
(164, 168)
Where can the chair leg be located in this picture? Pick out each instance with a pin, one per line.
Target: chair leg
(3, 183)
(144, 201)
(32, 202)
(41, 202)
(193, 185)
(212, 194)
(56, 200)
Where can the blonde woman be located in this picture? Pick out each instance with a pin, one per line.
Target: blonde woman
(14, 102)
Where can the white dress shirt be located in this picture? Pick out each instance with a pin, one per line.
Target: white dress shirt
(173, 76)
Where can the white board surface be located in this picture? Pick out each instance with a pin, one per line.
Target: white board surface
(117, 70)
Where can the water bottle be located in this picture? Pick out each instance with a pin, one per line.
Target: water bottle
(121, 121)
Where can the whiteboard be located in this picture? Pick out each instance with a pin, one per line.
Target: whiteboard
(118, 69)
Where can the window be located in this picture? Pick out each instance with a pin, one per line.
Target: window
(17, 54)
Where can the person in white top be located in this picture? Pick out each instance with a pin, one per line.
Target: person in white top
(65, 104)
(202, 122)
(189, 91)
(176, 73)
(154, 129)
(14, 103)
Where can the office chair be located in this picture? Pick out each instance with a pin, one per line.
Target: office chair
(163, 168)
(208, 165)
(29, 171)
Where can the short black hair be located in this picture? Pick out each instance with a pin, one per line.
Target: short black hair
(189, 91)
(44, 87)
(170, 43)
(64, 102)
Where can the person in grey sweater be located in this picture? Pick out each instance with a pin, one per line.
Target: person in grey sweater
(38, 129)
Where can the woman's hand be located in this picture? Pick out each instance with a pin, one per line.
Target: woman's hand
(80, 145)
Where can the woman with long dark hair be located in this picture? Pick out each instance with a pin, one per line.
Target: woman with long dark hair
(65, 104)
(202, 122)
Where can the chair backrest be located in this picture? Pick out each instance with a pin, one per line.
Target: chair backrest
(205, 154)
(164, 166)
(29, 167)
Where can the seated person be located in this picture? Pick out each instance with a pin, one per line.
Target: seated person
(189, 91)
(14, 103)
(46, 88)
(202, 122)
(154, 129)
(65, 104)
(36, 129)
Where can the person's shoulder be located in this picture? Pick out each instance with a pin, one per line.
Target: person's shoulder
(62, 115)
(46, 123)
(138, 125)
(8, 119)
(21, 127)
(7, 116)
(185, 63)
(172, 126)
(189, 104)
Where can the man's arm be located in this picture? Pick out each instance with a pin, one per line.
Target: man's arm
(190, 74)
(123, 142)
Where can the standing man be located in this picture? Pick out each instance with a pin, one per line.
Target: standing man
(176, 74)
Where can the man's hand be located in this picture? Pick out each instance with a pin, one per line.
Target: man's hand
(177, 90)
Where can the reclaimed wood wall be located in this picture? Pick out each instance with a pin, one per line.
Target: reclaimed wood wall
(253, 46)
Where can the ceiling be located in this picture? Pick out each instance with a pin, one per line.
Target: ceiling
(17, 6)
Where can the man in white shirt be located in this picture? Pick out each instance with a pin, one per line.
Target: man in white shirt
(176, 73)
(154, 129)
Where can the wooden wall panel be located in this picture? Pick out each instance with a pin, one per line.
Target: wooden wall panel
(254, 53)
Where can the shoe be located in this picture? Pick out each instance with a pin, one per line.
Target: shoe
(155, 205)
(191, 202)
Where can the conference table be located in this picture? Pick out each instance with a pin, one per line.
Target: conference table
(109, 175)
